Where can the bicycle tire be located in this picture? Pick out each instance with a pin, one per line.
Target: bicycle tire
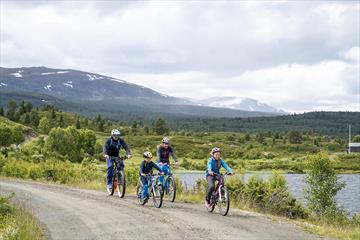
(224, 205)
(170, 189)
(121, 185)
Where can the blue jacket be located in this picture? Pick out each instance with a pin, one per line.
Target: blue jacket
(215, 165)
(112, 147)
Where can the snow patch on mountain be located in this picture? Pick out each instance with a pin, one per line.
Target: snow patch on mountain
(17, 74)
(62, 72)
(48, 87)
(93, 77)
(3, 85)
(48, 73)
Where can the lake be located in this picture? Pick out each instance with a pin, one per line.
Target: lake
(348, 197)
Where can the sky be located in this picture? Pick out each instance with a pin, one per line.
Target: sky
(298, 56)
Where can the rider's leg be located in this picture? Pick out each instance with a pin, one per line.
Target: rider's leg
(144, 182)
(166, 170)
(109, 172)
(210, 187)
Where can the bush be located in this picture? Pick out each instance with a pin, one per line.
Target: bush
(322, 186)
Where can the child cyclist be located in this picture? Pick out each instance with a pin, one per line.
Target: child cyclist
(146, 167)
(214, 164)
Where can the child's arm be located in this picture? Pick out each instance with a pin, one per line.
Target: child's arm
(157, 167)
(173, 155)
(227, 168)
(141, 168)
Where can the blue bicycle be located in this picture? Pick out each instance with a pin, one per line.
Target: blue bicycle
(169, 184)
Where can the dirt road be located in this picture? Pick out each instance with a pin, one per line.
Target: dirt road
(70, 213)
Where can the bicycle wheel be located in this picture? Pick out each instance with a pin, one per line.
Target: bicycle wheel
(114, 185)
(170, 190)
(224, 203)
(157, 194)
(121, 183)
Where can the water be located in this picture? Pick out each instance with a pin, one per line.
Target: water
(348, 197)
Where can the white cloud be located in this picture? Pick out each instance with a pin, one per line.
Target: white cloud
(198, 49)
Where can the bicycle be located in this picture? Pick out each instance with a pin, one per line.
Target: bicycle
(119, 181)
(156, 191)
(169, 186)
(220, 195)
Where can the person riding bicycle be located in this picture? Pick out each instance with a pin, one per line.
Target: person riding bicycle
(146, 167)
(111, 151)
(163, 153)
(214, 164)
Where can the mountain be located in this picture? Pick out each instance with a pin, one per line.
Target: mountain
(91, 93)
(78, 85)
(240, 103)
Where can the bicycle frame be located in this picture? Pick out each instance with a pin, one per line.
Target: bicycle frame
(221, 182)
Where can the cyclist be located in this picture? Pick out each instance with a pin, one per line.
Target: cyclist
(163, 153)
(214, 164)
(146, 167)
(111, 151)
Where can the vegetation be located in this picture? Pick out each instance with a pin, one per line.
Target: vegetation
(69, 151)
(16, 223)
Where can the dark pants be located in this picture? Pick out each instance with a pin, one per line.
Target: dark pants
(210, 187)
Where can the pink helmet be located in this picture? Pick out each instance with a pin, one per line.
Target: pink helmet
(214, 150)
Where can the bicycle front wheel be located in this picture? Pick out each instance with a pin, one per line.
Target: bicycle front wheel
(224, 203)
(157, 194)
(121, 183)
(170, 190)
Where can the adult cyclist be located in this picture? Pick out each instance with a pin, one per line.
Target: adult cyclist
(163, 153)
(111, 151)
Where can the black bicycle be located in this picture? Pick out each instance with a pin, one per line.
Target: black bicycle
(156, 191)
(119, 181)
(220, 195)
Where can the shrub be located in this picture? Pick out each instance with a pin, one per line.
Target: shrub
(322, 185)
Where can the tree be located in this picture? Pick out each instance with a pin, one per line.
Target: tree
(260, 137)
(2, 111)
(44, 125)
(28, 107)
(5, 136)
(88, 141)
(77, 124)
(295, 137)
(61, 121)
(247, 137)
(11, 109)
(17, 135)
(159, 126)
(322, 185)
(356, 138)
(34, 118)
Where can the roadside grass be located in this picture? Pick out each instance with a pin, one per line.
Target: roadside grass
(17, 223)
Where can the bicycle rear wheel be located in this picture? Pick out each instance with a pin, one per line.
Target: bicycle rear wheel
(121, 183)
(170, 190)
(157, 194)
(224, 203)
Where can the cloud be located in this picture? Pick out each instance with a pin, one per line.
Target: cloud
(271, 51)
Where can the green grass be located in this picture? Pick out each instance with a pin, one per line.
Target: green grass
(18, 223)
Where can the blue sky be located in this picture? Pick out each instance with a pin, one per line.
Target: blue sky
(294, 55)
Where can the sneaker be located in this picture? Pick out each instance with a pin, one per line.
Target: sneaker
(109, 190)
(207, 205)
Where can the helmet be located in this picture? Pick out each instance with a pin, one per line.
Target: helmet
(147, 154)
(115, 132)
(215, 150)
(166, 140)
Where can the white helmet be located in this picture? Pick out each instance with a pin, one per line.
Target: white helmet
(115, 132)
(166, 140)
